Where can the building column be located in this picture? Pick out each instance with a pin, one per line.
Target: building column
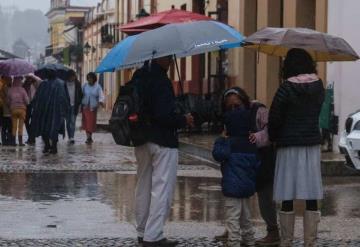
(321, 12)
(268, 67)
(242, 62)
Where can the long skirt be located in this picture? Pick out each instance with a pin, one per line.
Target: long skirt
(89, 120)
(298, 174)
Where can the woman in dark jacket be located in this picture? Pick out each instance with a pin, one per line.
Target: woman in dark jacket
(239, 164)
(294, 127)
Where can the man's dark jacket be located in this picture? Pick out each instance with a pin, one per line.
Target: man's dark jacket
(78, 96)
(164, 121)
(294, 114)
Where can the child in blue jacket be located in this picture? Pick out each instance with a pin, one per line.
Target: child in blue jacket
(239, 164)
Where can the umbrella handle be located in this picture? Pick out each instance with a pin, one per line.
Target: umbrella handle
(181, 85)
(178, 72)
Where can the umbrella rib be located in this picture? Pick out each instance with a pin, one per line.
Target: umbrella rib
(325, 44)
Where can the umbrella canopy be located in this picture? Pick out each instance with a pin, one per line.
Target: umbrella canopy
(15, 67)
(321, 46)
(53, 70)
(181, 39)
(160, 19)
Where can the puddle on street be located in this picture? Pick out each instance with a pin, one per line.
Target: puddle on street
(196, 198)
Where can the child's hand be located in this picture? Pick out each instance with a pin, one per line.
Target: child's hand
(252, 138)
(224, 134)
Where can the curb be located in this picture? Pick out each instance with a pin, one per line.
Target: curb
(329, 168)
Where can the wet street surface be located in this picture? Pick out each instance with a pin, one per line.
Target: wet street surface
(84, 197)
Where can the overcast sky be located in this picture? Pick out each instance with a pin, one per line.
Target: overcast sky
(43, 5)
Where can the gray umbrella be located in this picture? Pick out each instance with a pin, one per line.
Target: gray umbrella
(180, 39)
(321, 46)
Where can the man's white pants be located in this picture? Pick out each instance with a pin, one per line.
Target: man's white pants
(156, 174)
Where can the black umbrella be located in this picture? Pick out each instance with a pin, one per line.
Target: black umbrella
(53, 70)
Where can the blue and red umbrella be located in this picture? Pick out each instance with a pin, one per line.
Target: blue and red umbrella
(180, 40)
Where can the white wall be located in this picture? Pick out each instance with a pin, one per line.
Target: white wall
(344, 21)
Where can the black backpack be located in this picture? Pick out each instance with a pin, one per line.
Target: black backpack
(129, 121)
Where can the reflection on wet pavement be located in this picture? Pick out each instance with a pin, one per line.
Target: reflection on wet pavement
(103, 155)
(79, 204)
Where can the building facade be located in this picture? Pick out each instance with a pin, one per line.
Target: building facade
(66, 38)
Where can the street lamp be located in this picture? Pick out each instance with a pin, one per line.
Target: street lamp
(87, 48)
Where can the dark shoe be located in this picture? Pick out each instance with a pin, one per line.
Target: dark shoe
(271, 239)
(140, 240)
(89, 141)
(53, 149)
(161, 243)
(20, 139)
(223, 237)
(13, 141)
(71, 142)
(46, 149)
(30, 142)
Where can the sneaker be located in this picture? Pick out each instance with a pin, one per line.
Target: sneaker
(161, 243)
(71, 142)
(271, 239)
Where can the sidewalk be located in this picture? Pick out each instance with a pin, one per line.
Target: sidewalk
(200, 145)
(333, 164)
(103, 119)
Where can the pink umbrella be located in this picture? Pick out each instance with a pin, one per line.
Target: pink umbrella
(16, 67)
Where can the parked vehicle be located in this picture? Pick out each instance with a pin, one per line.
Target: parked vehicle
(349, 144)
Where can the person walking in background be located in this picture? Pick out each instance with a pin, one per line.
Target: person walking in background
(239, 165)
(2, 82)
(74, 91)
(18, 101)
(31, 84)
(50, 108)
(294, 127)
(158, 158)
(6, 128)
(93, 97)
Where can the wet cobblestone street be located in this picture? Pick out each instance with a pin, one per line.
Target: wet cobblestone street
(84, 197)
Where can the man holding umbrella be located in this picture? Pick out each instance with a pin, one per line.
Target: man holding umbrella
(158, 158)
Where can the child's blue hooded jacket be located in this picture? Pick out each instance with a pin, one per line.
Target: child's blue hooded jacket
(239, 161)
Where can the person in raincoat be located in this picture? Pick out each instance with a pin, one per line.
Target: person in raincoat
(50, 108)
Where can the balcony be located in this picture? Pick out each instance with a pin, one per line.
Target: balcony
(48, 51)
(109, 35)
